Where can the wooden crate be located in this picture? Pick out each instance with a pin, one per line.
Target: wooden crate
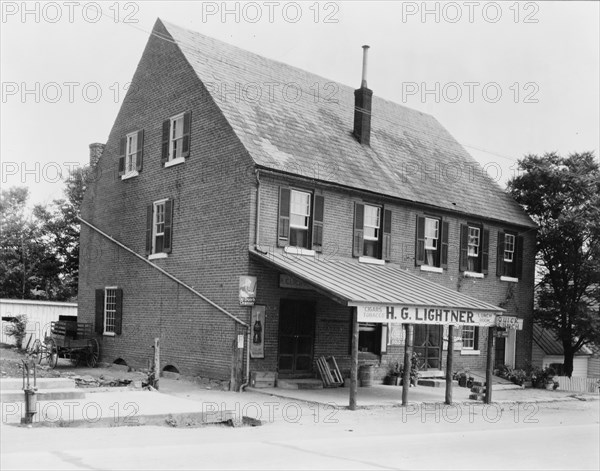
(263, 379)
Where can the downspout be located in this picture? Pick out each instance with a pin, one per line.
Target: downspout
(256, 244)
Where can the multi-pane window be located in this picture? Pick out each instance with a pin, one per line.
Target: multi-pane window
(371, 230)
(176, 138)
(509, 247)
(469, 337)
(299, 218)
(473, 249)
(432, 235)
(159, 227)
(110, 309)
(131, 153)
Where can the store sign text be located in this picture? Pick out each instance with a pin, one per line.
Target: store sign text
(424, 315)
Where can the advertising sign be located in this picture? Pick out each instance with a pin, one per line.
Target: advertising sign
(257, 333)
(247, 290)
(424, 315)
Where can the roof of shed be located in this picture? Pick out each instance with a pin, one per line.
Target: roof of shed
(411, 156)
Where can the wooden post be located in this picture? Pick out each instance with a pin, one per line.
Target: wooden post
(490, 365)
(354, 360)
(408, 348)
(156, 362)
(449, 359)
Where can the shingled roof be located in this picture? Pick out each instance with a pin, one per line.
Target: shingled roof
(411, 156)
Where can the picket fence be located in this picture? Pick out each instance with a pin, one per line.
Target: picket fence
(578, 384)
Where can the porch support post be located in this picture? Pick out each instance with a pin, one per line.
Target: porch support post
(354, 361)
(449, 359)
(490, 365)
(408, 349)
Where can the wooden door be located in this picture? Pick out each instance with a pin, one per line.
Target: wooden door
(296, 337)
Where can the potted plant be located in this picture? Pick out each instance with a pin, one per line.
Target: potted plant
(414, 370)
(393, 376)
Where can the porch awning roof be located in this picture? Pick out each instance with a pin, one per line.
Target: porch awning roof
(353, 283)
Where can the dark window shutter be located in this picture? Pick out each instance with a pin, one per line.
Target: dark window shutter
(140, 151)
(476, 337)
(99, 318)
(166, 129)
(122, 151)
(168, 237)
(149, 224)
(317, 230)
(386, 245)
(444, 244)
(519, 256)
(464, 241)
(359, 229)
(187, 133)
(420, 241)
(118, 310)
(485, 248)
(283, 230)
(500, 255)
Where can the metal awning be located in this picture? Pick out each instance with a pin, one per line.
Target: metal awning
(354, 283)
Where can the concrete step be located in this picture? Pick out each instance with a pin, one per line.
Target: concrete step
(49, 394)
(42, 383)
(299, 383)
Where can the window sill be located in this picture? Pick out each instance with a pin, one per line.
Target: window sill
(177, 161)
(473, 274)
(108, 334)
(299, 251)
(510, 279)
(156, 256)
(372, 261)
(470, 352)
(432, 269)
(130, 175)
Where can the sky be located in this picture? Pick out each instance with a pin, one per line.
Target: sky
(506, 79)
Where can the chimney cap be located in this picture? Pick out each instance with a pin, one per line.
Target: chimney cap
(363, 81)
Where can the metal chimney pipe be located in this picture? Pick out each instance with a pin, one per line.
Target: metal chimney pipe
(363, 83)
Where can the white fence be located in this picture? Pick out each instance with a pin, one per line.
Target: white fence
(578, 384)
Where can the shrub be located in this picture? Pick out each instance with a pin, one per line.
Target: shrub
(17, 329)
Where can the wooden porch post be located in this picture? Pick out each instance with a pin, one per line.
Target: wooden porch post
(449, 359)
(408, 349)
(490, 365)
(354, 360)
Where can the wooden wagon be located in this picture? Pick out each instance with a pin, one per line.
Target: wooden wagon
(68, 339)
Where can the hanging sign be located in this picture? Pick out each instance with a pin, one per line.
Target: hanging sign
(257, 332)
(247, 290)
(424, 315)
(509, 322)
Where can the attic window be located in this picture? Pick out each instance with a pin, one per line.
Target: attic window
(176, 135)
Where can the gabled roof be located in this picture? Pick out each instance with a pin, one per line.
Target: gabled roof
(546, 340)
(299, 133)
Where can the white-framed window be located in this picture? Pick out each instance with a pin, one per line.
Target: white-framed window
(432, 233)
(372, 222)
(469, 333)
(473, 242)
(158, 227)
(131, 153)
(176, 137)
(509, 247)
(110, 310)
(300, 211)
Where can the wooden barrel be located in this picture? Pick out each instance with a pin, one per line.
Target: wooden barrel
(365, 373)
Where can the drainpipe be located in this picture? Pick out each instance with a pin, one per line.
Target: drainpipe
(256, 244)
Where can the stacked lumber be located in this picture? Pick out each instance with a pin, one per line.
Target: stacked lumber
(329, 371)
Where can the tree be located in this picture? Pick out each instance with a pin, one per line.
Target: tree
(562, 195)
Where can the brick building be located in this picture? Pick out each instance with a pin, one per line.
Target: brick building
(239, 196)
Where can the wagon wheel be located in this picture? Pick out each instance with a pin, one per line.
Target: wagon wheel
(51, 352)
(93, 353)
(36, 351)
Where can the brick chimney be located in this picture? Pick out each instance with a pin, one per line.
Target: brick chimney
(362, 106)
(96, 150)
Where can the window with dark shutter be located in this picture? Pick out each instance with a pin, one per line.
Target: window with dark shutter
(140, 151)
(500, 255)
(485, 245)
(444, 254)
(317, 228)
(118, 311)
(420, 241)
(149, 227)
(122, 150)
(283, 230)
(386, 243)
(187, 133)
(519, 257)
(464, 240)
(99, 314)
(166, 127)
(168, 231)
(358, 236)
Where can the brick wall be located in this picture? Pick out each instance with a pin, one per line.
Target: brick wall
(212, 207)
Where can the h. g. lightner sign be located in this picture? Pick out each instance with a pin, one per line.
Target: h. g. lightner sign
(424, 315)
